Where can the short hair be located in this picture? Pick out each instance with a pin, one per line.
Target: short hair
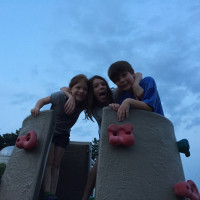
(117, 68)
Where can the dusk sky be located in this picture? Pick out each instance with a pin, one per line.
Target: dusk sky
(43, 44)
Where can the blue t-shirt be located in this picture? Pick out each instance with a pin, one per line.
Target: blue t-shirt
(150, 97)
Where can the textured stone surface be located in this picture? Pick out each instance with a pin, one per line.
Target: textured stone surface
(149, 169)
(74, 171)
(23, 175)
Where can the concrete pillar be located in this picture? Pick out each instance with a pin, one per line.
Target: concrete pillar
(23, 175)
(74, 171)
(147, 170)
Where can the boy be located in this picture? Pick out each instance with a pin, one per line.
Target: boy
(122, 74)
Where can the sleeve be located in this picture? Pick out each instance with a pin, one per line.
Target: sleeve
(150, 91)
(56, 97)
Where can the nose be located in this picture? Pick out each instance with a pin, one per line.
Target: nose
(101, 86)
(82, 90)
(121, 79)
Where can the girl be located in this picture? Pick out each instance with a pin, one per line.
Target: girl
(78, 88)
(99, 96)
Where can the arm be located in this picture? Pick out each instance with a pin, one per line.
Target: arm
(71, 103)
(123, 110)
(40, 103)
(138, 91)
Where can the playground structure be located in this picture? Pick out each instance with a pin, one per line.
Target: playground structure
(22, 179)
(138, 159)
(147, 170)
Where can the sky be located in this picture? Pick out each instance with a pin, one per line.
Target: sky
(43, 44)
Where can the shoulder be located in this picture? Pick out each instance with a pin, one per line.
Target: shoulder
(57, 95)
(148, 81)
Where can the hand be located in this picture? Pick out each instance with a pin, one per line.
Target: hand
(35, 111)
(114, 106)
(70, 105)
(123, 110)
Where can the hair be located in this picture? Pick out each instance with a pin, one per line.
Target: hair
(76, 79)
(117, 68)
(92, 101)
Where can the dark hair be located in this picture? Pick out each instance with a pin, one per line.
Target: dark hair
(92, 101)
(117, 68)
(76, 79)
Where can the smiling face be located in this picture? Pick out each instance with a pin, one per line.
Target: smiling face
(100, 90)
(125, 81)
(80, 90)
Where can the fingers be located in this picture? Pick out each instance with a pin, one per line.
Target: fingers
(122, 114)
(114, 106)
(34, 112)
(69, 108)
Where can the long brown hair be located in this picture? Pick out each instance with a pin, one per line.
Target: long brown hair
(92, 101)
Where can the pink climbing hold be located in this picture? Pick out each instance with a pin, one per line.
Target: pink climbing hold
(121, 134)
(27, 141)
(187, 189)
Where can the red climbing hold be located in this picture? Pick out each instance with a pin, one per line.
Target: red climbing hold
(27, 141)
(121, 134)
(187, 189)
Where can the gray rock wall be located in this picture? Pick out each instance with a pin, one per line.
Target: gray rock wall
(23, 175)
(149, 169)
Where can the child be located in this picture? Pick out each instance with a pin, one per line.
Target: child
(122, 74)
(99, 96)
(78, 88)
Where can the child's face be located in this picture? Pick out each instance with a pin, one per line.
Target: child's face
(100, 90)
(125, 81)
(79, 91)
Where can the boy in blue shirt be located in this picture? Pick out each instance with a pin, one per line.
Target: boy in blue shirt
(122, 74)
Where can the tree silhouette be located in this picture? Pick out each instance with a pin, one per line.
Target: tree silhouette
(8, 139)
(95, 149)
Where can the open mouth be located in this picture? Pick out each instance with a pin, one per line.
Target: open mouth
(102, 94)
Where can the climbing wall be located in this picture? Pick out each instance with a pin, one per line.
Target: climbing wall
(146, 170)
(23, 175)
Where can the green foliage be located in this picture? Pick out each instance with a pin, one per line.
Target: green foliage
(95, 149)
(2, 169)
(1, 142)
(8, 139)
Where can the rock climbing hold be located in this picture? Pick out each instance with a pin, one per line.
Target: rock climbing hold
(184, 147)
(27, 141)
(121, 134)
(187, 189)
